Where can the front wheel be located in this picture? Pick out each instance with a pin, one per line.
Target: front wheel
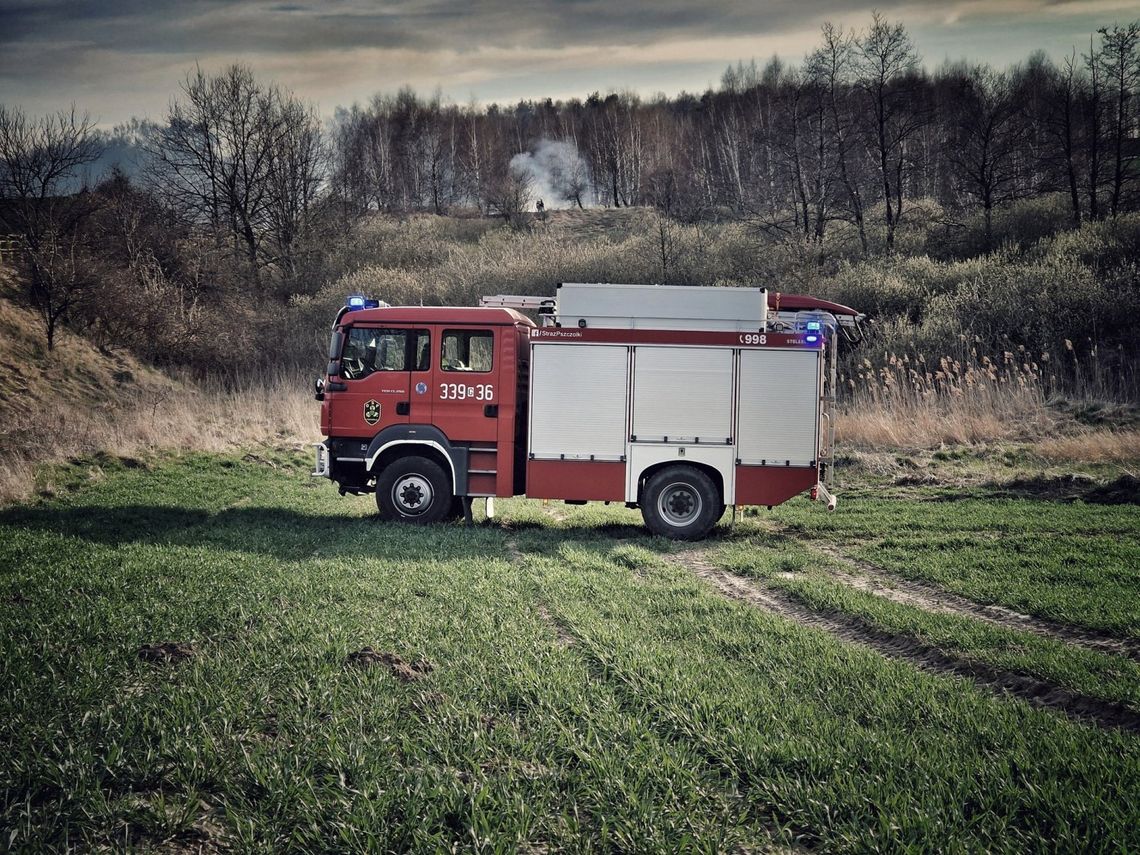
(415, 490)
(681, 502)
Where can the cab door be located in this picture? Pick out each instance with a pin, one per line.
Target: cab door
(376, 367)
(465, 384)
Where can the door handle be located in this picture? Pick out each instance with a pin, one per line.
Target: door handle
(491, 410)
(403, 408)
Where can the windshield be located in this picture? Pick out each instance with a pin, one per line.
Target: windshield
(368, 350)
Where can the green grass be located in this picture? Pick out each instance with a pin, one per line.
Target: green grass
(674, 720)
(808, 579)
(1073, 563)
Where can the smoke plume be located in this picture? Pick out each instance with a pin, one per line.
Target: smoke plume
(559, 175)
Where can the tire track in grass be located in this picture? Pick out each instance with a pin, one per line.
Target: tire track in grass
(857, 631)
(563, 635)
(630, 696)
(875, 580)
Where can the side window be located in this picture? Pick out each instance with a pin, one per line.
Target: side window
(370, 350)
(421, 348)
(467, 350)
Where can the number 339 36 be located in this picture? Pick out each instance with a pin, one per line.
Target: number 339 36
(461, 392)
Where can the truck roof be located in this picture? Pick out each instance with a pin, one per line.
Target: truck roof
(437, 315)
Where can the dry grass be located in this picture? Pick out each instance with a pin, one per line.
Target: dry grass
(1092, 446)
(906, 404)
(276, 411)
(79, 400)
(976, 417)
(910, 402)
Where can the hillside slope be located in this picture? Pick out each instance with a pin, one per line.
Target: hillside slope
(76, 375)
(78, 401)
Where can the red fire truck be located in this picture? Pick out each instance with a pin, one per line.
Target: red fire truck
(680, 401)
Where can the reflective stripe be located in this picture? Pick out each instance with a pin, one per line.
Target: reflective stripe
(372, 460)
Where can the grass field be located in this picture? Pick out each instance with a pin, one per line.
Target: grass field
(214, 652)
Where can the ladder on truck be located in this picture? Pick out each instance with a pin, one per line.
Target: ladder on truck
(545, 306)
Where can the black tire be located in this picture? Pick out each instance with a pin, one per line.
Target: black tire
(681, 502)
(415, 490)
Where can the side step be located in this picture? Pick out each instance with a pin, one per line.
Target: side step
(482, 470)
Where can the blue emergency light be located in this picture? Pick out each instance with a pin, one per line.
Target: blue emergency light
(356, 302)
(811, 339)
(813, 326)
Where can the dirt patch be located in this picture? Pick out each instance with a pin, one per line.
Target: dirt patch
(874, 580)
(428, 702)
(856, 631)
(1061, 488)
(513, 552)
(257, 458)
(407, 672)
(564, 636)
(555, 513)
(1125, 490)
(924, 480)
(204, 836)
(269, 727)
(168, 652)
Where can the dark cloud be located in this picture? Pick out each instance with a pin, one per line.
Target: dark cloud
(210, 25)
(127, 55)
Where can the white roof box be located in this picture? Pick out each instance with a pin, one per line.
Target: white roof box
(661, 307)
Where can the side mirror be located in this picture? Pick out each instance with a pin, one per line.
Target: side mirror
(333, 369)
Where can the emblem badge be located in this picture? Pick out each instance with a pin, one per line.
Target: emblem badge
(421, 388)
(372, 412)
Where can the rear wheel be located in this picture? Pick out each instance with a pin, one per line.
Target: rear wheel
(681, 502)
(415, 490)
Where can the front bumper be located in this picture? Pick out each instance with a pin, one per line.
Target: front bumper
(324, 461)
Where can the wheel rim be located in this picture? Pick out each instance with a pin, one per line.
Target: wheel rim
(412, 495)
(679, 504)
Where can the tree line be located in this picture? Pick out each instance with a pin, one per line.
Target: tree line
(859, 129)
(243, 186)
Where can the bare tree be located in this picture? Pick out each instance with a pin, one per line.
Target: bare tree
(509, 195)
(296, 173)
(1094, 117)
(1061, 120)
(830, 67)
(1121, 62)
(47, 206)
(575, 181)
(241, 158)
(985, 143)
(887, 74)
(615, 147)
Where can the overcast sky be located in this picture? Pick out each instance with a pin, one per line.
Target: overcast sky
(123, 58)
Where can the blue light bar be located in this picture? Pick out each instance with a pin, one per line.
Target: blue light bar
(355, 302)
(813, 325)
(811, 339)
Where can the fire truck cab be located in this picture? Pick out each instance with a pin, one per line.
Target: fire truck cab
(678, 400)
